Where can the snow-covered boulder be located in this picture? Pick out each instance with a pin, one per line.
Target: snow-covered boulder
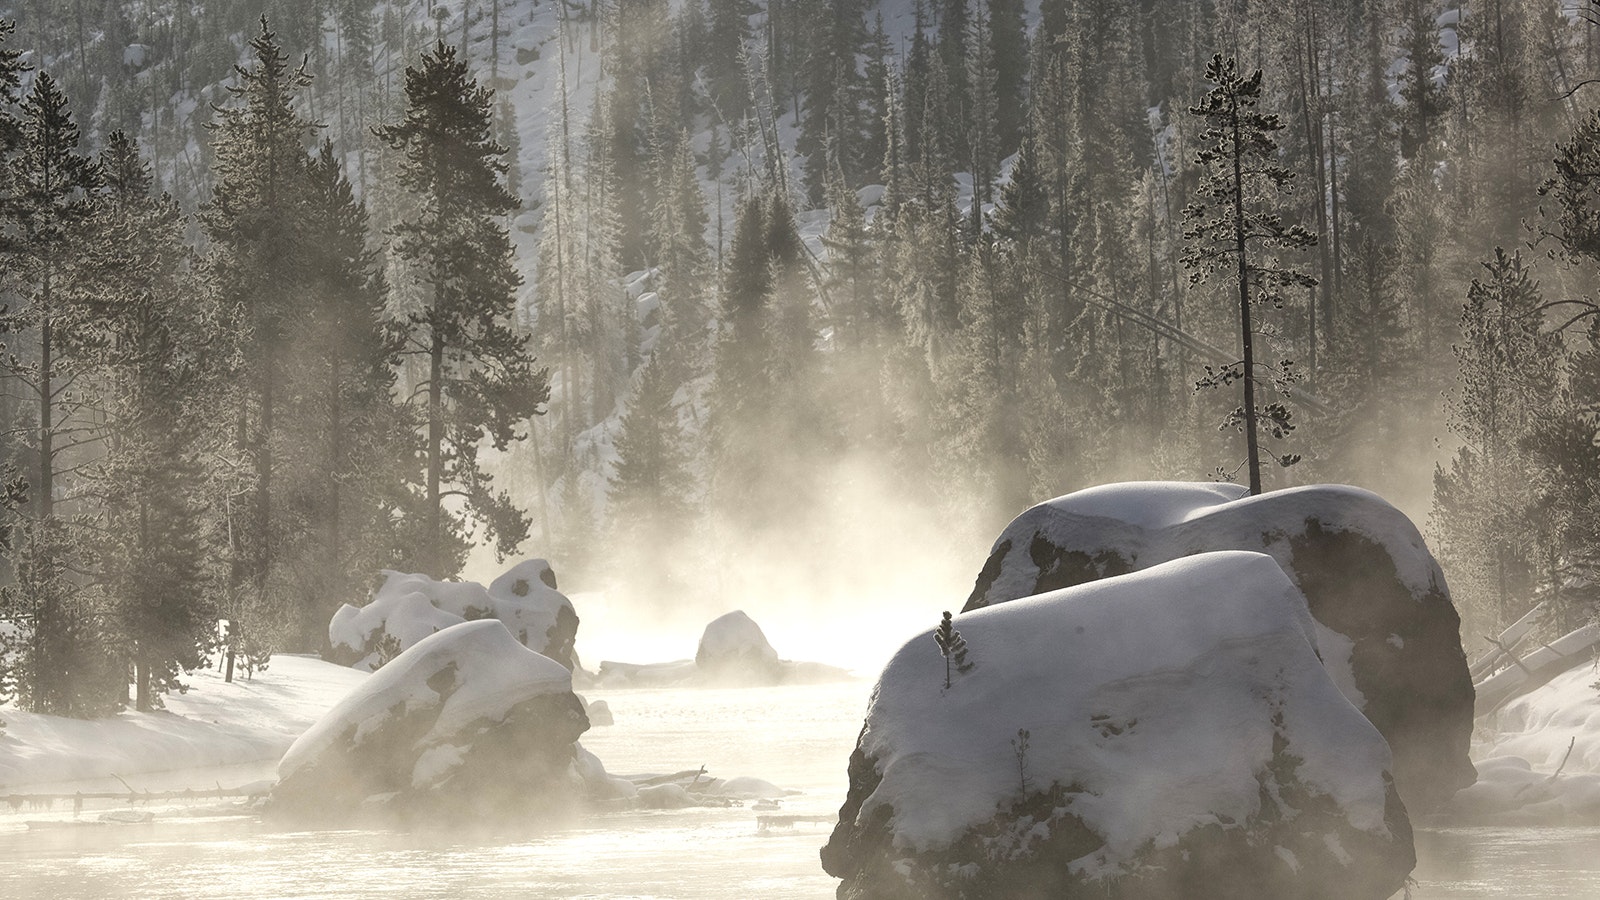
(733, 648)
(408, 608)
(1164, 734)
(1388, 632)
(466, 724)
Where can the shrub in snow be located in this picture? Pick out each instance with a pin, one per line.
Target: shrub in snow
(1164, 734)
(733, 648)
(408, 608)
(466, 723)
(1389, 634)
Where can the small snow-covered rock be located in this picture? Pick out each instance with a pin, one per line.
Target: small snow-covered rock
(733, 648)
(1389, 634)
(1169, 733)
(408, 608)
(599, 712)
(466, 723)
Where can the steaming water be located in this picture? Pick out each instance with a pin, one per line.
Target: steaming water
(796, 737)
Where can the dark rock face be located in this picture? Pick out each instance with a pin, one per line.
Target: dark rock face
(1356, 559)
(445, 734)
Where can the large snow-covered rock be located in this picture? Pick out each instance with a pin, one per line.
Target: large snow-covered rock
(1389, 634)
(733, 648)
(1182, 740)
(466, 724)
(408, 608)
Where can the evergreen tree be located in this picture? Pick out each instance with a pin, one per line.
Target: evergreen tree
(354, 481)
(480, 383)
(1425, 100)
(1487, 527)
(255, 224)
(1232, 227)
(953, 647)
(151, 548)
(1008, 48)
(66, 667)
(649, 491)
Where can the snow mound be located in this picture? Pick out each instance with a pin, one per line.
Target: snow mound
(409, 607)
(1168, 733)
(213, 723)
(465, 722)
(1541, 760)
(734, 647)
(1389, 634)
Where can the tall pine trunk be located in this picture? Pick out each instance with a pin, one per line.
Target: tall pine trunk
(1252, 452)
(434, 553)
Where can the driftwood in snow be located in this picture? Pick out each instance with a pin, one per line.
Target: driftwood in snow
(1536, 669)
(1502, 649)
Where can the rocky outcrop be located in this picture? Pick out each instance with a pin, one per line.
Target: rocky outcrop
(733, 652)
(1390, 634)
(466, 725)
(409, 607)
(1169, 733)
(733, 648)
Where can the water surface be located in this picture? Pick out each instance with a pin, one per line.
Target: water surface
(799, 738)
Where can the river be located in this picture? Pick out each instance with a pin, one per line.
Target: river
(798, 737)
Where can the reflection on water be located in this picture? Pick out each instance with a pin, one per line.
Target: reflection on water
(797, 737)
(1524, 862)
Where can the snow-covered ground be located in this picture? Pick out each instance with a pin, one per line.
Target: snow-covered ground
(214, 724)
(1538, 756)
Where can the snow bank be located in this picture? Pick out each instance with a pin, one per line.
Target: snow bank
(465, 722)
(1526, 742)
(213, 724)
(1389, 634)
(1169, 733)
(408, 608)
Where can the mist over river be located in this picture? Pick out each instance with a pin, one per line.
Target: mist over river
(797, 737)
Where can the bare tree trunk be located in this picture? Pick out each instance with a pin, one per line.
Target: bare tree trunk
(1253, 454)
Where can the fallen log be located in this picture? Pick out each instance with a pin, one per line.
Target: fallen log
(1536, 669)
(1484, 665)
(36, 801)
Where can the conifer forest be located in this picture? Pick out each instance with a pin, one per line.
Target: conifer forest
(697, 298)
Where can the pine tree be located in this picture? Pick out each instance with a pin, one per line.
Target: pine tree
(1487, 527)
(151, 543)
(354, 481)
(953, 647)
(1425, 100)
(480, 383)
(648, 493)
(1008, 48)
(66, 667)
(258, 246)
(1232, 227)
